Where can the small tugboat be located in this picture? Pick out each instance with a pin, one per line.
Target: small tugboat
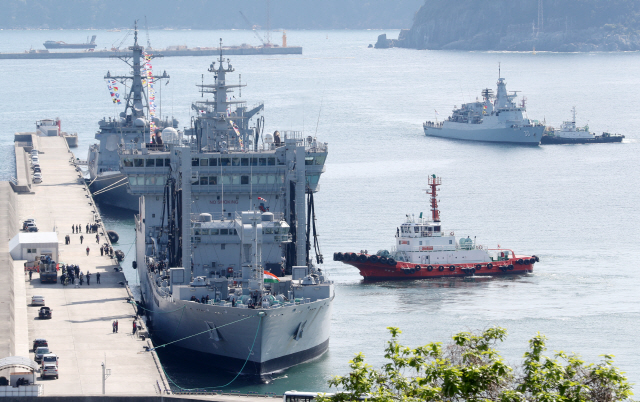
(569, 133)
(424, 250)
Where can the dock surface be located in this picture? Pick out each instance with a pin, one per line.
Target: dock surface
(80, 330)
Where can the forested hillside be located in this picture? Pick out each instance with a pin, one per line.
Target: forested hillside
(557, 25)
(208, 14)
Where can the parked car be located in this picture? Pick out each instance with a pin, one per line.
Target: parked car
(27, 223)
(35, 159)
(41, 351)
(49, 370)
(37, 175)
(39, 342)
(50, 358)
(37, 170)
(37, 300)
(33, 228)
(35, 165)
(44, 313)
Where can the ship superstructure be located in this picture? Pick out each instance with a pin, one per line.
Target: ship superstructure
(494, 119)
(133, 125)
(220, 213)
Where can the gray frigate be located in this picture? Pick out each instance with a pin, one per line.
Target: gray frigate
(224, 237)
(494, 119)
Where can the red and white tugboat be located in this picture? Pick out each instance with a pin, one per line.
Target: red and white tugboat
(424, 250)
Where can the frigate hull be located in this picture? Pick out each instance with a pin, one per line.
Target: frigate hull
(117, 194)
(253, 342)
(517, 135)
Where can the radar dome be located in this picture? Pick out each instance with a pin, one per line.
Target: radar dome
(268, 138)
(170, 134)
(140, 122)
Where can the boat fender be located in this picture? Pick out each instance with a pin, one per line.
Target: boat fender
(417, 268)
(429, 268)
(353, 257)
(489, 266)
(440, 268)
(473, 270)
(134, 264)
(478, 267)
(113, 236)
(373, 258)
(391, 261)
(452, 268)
(519, 261)
(536, 257)
(510, 267)
(532, 260)
(503, 268)
(526, 261)
(362, 257)
(337, 256)
(383, 260)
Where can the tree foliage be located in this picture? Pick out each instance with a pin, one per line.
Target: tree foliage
(471, 369)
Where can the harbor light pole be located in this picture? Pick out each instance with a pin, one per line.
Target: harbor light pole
(105, 374)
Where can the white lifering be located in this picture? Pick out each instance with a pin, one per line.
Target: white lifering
(480, 247)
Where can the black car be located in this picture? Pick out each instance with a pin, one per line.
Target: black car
(45, 312)
(39, 342)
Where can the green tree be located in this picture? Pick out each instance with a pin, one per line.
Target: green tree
(471, 369)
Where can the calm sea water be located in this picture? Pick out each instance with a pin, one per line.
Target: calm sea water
(574, 206)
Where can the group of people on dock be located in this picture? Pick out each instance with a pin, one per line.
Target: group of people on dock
(89, 228)
(71, 274)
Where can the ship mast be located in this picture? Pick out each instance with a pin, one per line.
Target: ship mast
(434, 182)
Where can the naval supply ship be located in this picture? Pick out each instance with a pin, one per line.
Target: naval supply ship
(425, 250)
(569, 133)
(494, 119)
(133, 125)
(224, 236)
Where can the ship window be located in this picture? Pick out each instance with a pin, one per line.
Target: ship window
(150, 181)
(271, 161)
(244, 179)
(262, 162)
(195, 162)
(254, 161)
(214, 231)
(235, 179)
(320, 159)
(226, 179)
(268, 230)
(308, 160)
(196, 183)
(284, 230)
(213, 180)
(160, 181)
(159, 162)
(233, 231)
(138, 162)
(225, 162)
(222, 246)
(167, 162)
(429, 229)
(224, 231)
(151, 162)
(244, 162)
(132, 181)
(416, 229)
(436, 228)
(235, 162)
(450, 241)
(259, 179)
(204, 180)
(213, 161)
(197, 232)
(421, 243)
(204, 162)
(128, 162)
(196, 240)
(205, 232)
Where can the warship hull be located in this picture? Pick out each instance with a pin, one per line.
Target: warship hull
(517, 135)
(117, 196)
(238, 339)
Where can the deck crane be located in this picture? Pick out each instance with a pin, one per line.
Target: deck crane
(253, 29)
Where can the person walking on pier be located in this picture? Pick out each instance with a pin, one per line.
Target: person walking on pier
(97, 238)
(73, 229)
(81, 278)
(78, 229)
(81, 238)
(101, 251)
(30, 275)
(135, 327)
(98, 278)
(88, 249)
(113, 327)
(88, 278)
(87, 228)
(116, 326)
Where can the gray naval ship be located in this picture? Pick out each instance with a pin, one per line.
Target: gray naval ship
(494, 119)
(224, 234)
(106, 182)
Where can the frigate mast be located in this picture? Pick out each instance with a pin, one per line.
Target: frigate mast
(134, 99)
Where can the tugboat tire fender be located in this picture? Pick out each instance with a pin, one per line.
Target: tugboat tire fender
(429, 268)
(417, 268)
(391, 261)
(440, 268)
(489, 266)
(510, 267)
(452, 268)
(478, 266)
(362, 258)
